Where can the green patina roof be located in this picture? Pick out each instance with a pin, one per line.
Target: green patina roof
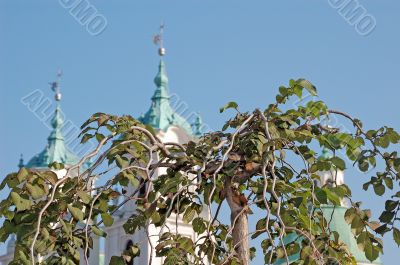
(340, 225)
(161, 115)
(55, 151)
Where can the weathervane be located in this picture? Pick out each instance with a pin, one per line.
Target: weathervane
(55, 86)
(158, 40)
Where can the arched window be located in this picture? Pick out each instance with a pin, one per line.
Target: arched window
(128, 245)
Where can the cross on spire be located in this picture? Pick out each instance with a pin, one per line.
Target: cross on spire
(158, 39)
(55, 86)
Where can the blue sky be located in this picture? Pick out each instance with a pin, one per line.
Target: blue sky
(218, 51)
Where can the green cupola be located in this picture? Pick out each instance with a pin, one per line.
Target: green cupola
(56, 149)
(161, 115)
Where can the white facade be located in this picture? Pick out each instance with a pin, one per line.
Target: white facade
(117, 240)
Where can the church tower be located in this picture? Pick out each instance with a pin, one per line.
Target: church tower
(170, 127)
(56, 150)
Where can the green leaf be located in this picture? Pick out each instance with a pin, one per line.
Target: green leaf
(67, 227)
(388, 182)
(391, 205)
(382, 230)
(362, 239)
(307, 85)
(117, 261)
(21, 203)
(107, 219)
(338, 162)
(84, 196)
(386, 216)
(133, 223)
(86, 138)
(56, 166)
(50, 176)
(22, 174)
(396, 235)
(35, 191)
(121, 162)
(45, 233)
(76, 213)
(252, 253)
(321, 196)
(98, 231)
(189, 214)
(156, 218)
(99, 137)
(6, 229)
(135, 250)
(332, 196)
(229, 105)
(21, 258)
(9, 178)
(370, 251)
(298, 91)
(186, 244)
(102, 120)
(379, 189)
(199, 225)
(132, 179)
(306, 252)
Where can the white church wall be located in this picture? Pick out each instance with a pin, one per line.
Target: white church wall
(116, 239)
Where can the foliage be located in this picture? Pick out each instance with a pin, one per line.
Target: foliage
(263, 162)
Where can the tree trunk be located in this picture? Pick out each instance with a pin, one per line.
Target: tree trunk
(239, 222)
(240, 238)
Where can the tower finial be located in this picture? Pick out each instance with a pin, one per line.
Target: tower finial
(21, 162)
(159, 40)
(55, 86)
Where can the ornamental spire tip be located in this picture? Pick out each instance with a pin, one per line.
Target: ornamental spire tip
(55, 86)
(158, 39)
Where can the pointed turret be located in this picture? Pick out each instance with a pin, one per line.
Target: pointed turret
(21, 162)
(161, 115)
(161, 80)
(55, 150)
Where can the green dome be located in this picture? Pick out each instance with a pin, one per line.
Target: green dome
(55, 151)
(161, 115)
